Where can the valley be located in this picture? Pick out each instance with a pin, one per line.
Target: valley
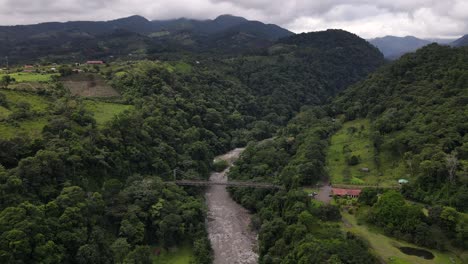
(370, 156)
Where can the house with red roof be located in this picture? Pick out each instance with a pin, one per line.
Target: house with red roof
(353, 193)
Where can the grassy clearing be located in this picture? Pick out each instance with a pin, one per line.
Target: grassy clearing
(29, 86)
(33, 128)
(21, 77)
(38, 103)
(183, 67)
(310, 190)
(386, 247)
(181, 255)
(104, 112)
(4, 112)
(354, 139)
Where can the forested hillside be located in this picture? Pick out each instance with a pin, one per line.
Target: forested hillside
(416, 108)
(80, 191)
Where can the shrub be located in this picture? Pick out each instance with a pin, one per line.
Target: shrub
(220, 165)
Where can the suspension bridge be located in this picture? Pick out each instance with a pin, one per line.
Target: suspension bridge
(240, 184)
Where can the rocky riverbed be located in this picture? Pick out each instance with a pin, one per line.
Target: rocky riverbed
(229, 230)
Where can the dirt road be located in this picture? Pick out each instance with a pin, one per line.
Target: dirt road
(324, 193)
(228, 223)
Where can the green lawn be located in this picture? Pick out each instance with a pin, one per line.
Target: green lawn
(353, 139)
(181, 255)
(104, 111)
(386, 247)
(38, 103)
(30, 76)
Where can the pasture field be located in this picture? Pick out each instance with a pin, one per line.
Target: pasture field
(33, 128)
(38, 103)
(104, 111)
(21, 77)
(354, 139)
(387, 248)
(181, 255)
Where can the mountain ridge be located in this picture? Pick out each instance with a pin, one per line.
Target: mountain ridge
(393, 47)
(463, 41)
(26, 43)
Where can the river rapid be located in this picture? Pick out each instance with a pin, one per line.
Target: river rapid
(232, 240)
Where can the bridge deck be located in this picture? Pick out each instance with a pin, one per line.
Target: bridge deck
(229, 184)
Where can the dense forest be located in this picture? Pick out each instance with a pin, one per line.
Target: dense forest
(83, 192)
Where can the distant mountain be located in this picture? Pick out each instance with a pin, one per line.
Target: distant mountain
(441, 41)
(89, 39)
(461, 42)
(393, 47)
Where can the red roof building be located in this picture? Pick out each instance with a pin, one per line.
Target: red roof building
(346, 192)
(95, 62)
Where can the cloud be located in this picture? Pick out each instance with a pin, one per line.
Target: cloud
(422, 18)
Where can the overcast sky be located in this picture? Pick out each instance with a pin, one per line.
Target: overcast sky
(367, 18)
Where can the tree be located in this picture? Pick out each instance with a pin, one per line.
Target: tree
(6, 80)
(65, 71)
(49, 253)
(328, 212)
(140, 255)
(18, 245)
(120, 249)
(449, 218)
(133, 229)
(202, 251)
(368, 196)
(353, 160)
(88, 254)
(452, 164)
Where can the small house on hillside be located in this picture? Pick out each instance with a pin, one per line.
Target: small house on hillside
(353, 193)
(95, 62)
(28, 68)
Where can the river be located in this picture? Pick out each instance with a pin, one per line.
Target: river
(228, 223)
